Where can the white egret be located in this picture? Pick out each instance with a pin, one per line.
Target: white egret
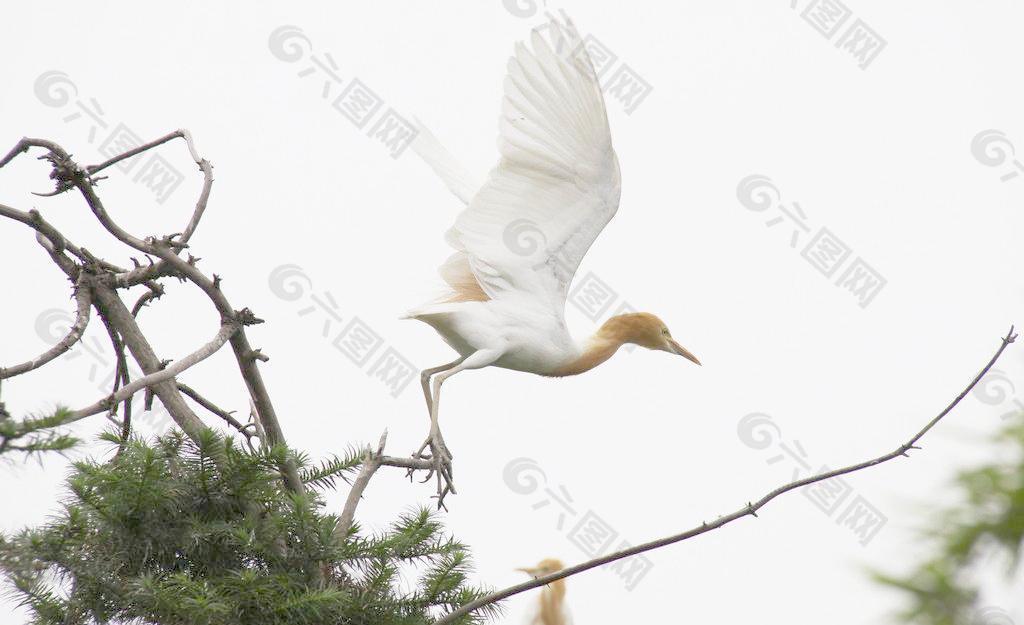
(525, 230)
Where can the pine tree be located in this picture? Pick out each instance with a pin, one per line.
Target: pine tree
(174, 531)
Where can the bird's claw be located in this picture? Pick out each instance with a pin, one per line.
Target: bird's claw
(441, 466)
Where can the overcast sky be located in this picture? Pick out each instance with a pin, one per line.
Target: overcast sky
(820, 199)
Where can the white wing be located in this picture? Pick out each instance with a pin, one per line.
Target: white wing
(557, 183)
(462, 183)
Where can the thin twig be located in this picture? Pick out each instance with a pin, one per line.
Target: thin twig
(748, 510)
(25, 143)
(203, 164)
(162, 375)
(34, 220)
(93, 169)
(204, 195)
(121, 378)
(257, 424)
(83, 296)
(145, 298)
(220, 412)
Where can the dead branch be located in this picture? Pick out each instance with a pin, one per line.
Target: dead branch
(83, 296)
(68, 175)
(371, 462)
(247, 431)
(748, 510)
(151, 380)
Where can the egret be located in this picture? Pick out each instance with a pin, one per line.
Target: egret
(550, 608)
(525, 230)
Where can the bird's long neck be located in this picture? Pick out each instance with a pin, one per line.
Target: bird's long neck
(601, 346)
(551, 598)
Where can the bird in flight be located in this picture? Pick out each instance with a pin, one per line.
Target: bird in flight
(525, 230)
(550, 608)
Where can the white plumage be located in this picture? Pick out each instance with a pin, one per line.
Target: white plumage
(524, 231)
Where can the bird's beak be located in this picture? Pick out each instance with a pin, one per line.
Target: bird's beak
(682, 351)
(528, 571)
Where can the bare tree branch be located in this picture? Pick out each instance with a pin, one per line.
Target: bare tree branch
(111, 306)
(67, 174)
(121, 377)
(204, 165)
(245, 355)
(93, 169)
(34, 220)
(748, 510)
(244, 430)
(204, 195)
(161, 375)
(145, 298)
(83, 296)
(24, 144)
(371, 463)
(416, 464)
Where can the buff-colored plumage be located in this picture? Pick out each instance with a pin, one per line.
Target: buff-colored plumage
(525, 229)
(550, 607)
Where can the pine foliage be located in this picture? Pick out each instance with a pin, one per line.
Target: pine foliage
(179, 532)
(34, 435)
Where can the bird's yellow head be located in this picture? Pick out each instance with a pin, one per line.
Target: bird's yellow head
(551, 610)
(546, 566)
(645, 330)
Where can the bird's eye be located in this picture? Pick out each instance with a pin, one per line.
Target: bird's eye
(664, 331)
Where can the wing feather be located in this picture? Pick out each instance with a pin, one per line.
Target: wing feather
(462, 183)
(557, 183)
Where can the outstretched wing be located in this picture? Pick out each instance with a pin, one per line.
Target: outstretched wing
(557, 182)
(459, 181)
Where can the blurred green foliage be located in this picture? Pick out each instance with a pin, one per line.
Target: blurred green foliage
(988, 521)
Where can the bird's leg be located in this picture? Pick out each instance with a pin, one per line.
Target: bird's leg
(439, 455)
(425, 376)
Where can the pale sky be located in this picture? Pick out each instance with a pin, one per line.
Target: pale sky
(852, 305)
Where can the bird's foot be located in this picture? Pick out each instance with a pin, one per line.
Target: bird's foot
(441, 465)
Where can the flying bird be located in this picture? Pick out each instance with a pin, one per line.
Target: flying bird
(525, 230)
(550, 608)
